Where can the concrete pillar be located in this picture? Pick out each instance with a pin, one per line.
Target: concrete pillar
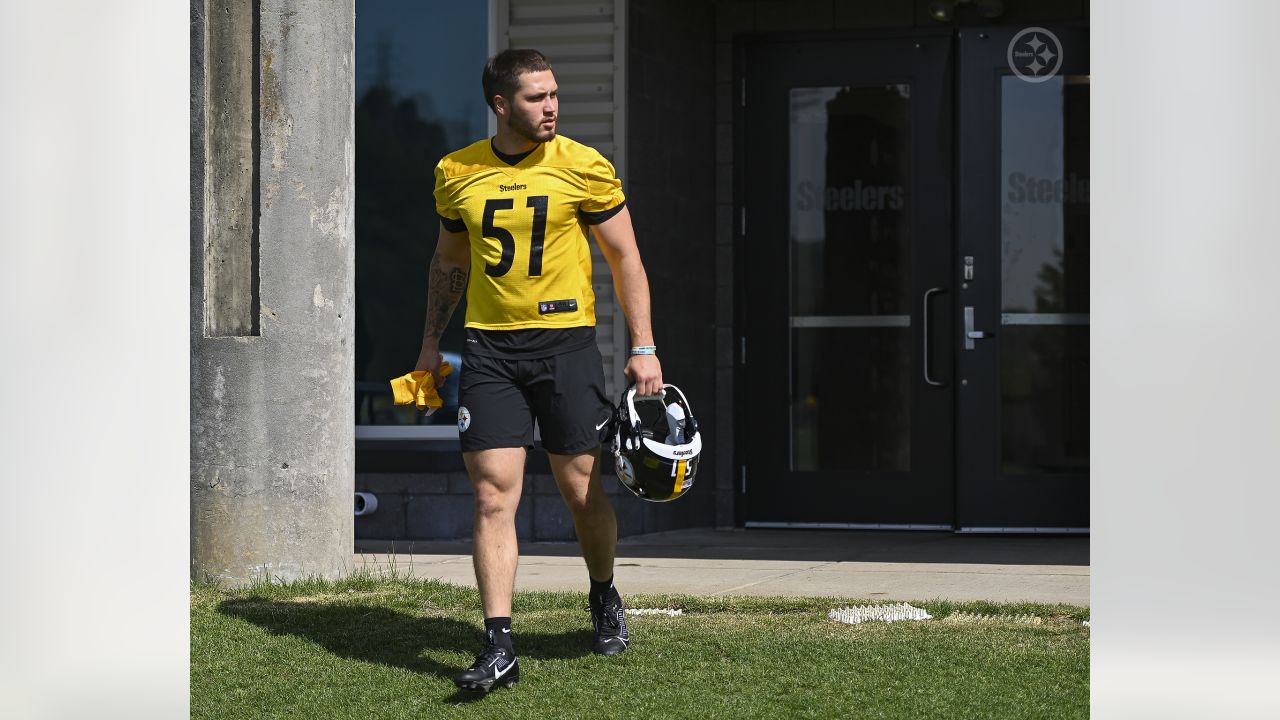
(272, 291)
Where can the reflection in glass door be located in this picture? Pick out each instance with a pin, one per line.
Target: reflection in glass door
(408, 114)
(847, 409)
(1044, 278)
(850, 278)
(1023, 270)
(936, 373)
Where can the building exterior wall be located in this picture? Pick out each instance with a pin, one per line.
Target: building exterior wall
(672, 196)
(681, 94)
(670, 76)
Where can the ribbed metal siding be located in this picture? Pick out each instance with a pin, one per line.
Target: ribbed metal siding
(585, 40)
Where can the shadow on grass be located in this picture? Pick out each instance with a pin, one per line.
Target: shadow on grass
(386, 637)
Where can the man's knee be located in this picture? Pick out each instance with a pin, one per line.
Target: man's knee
(588, 500)
(577, 502)
(496, 477)
(495, 499)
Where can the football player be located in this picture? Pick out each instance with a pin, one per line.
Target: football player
(515, 214)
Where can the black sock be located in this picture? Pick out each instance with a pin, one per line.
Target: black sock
(499, 631)
(601, 588)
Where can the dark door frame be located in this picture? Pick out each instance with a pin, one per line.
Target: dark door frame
(968, 145)
(922, 498)
(986, 499)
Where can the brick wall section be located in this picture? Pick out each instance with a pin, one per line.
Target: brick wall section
(439, 506)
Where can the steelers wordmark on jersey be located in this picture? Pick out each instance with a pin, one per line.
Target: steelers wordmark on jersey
(527, 223)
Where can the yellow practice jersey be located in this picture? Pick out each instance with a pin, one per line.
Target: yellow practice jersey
(530, 261)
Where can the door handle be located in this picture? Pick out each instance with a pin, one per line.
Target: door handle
(928, 294)
(969, 333)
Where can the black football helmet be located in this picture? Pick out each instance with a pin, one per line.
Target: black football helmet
(656, 444)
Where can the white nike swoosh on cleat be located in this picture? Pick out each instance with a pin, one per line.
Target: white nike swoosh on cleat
(497, 674)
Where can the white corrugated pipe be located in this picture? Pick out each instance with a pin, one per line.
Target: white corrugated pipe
(366, 503)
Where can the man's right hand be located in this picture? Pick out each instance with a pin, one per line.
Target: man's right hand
(429, 359)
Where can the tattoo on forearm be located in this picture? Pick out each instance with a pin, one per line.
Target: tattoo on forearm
(444, 290)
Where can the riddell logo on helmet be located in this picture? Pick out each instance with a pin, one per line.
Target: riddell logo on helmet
(681, 452)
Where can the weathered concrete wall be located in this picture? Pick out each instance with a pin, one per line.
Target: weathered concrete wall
(272, 449)
(230, 242)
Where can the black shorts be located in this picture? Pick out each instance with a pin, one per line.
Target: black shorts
(500, 398)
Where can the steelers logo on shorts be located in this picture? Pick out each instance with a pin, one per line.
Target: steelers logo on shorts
(464, 419)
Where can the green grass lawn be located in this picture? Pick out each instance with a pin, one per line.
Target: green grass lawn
(386, 648)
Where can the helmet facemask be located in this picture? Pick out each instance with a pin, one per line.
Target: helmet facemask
(656, 444)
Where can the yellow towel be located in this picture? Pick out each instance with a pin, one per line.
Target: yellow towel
(419, 388)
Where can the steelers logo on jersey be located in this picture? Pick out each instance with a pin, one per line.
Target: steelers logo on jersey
(464, 419)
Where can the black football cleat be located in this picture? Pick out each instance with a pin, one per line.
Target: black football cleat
(493, 667)
(608, 617)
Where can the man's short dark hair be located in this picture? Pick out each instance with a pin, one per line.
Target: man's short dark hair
(502, 72)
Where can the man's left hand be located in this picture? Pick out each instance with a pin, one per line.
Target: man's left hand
(646, 372)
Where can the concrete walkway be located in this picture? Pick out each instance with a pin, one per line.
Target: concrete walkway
(827, 563)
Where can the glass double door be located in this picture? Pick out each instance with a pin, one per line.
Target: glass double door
(915, 302)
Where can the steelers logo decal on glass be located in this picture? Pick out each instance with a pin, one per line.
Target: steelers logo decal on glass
(464, 419)
(1035, 54)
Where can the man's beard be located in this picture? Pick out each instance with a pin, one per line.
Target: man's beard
(532, 132)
